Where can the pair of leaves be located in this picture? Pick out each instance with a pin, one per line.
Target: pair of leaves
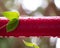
(30, 44)
(13, 20)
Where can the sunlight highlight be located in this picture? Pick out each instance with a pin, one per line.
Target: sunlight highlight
(32, 5)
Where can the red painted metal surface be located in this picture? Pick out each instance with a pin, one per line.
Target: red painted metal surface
(33, 26)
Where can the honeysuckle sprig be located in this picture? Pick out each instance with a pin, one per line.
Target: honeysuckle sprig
(13, 18)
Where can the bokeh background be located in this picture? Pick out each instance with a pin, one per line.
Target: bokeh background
(17, 42)
(32, 7)
(35, 8)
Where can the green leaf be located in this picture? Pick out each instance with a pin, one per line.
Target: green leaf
(11, 15)
(12, 25)
(28, 44)
(36, 46)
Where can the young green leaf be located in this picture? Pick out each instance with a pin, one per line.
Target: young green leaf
(13, 20)
(11, 15)
(28, 44)
(36, 46)
(12, 25)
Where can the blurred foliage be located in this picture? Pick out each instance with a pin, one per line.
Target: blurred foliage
(6, 5)
(13, 42)
(4, 43)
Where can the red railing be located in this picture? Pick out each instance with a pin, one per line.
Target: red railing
(33, 26)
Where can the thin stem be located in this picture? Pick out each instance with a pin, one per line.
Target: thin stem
(3, 26)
